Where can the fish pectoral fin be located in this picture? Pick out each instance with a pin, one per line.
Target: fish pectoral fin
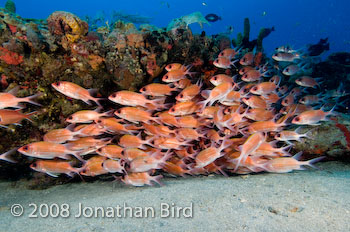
(52, 174)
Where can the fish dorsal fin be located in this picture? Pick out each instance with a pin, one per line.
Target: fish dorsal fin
(14, 91)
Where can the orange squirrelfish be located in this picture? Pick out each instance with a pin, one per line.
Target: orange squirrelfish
(140, 179)
(228, 52)
(113, 166)
(208, 112)
(87, 116)
(133, 141)
(311, 117)
(283, 89)
(189, 92)
(269, 150)
(175, 66)
(288, 164)
(129, 98)
(159, 130)
(112, 125)
(13, 117)
(183, 83)
(224, 62)
(209, 155)
(275, 79)
(291, 135)
(168, 143)
(296, 91)
(157, 90)
(166, 118)
(175, 169)
(188, 134)
(131, 153)
(133, 114)
(310, 100)
(287, 101)
(259, 114)
(93, 166)
(54, 167)
(188, 122)
(9, 100)
(247, 59)
(111, 151)
(61, 135)
(245, 69)
(251, 76)
(176, 75)
(86, 143)
(255, 102)
(220, 78)
(183, 108)
(306, 81)
(90, 130)
(218, 93)
(75, 91)
(271, 98)
(265, 126)
(249, 146)
(147, 163)
(47, 150)
(264, 88)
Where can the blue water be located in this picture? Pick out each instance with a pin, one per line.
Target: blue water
(297, 22)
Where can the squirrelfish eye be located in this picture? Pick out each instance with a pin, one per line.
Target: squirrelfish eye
(170, 66)
(287, 69)
(70, 117)
(25, 148)
(99, 150)
(278, 135)
(99, 121)
(34, 165)
(297, 119)
(143, 89)
(166, 77)
(119, 111)
(215, 78)
(172, 110)
(181, 96)
(58, 83)
(255, 88)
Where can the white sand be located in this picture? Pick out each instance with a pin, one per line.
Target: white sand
(316, 200)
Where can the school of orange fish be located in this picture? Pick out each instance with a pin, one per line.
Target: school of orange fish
(237, 125)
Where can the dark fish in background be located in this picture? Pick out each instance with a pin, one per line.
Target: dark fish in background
(267, 31)
(212, 17)
(319, 48)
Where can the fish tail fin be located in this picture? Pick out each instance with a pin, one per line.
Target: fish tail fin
(157, 180)
(27, 116)
(6, 156)
(312, 161)
(30, 99)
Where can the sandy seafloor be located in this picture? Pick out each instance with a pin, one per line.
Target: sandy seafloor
(316, 200)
